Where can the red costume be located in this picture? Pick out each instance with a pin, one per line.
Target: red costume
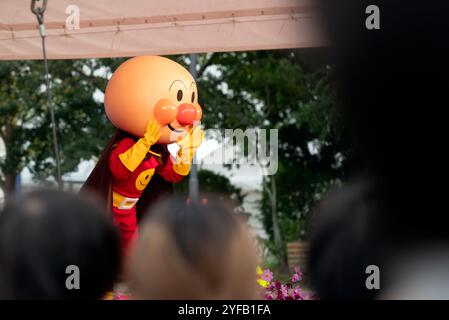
(127, 186)
(153, 102)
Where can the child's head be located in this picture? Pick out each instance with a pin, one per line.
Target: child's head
(193, 251)
(43, 233)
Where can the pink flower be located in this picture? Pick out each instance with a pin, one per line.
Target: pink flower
(276, 290)
(268, 297)
(297, 294)
(297, 274)
(277, 285)
(295, 278)
(267, 275)
(283, 292)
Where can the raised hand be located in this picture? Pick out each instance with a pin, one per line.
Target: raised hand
(152, 133)
(187, 146)
(192, 140)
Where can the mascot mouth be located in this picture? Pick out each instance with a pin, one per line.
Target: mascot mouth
(173, 129)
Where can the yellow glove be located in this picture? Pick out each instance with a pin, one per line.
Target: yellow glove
(187, 147)
(135, 155)
(152, 133)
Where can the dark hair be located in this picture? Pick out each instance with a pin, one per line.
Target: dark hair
(212, 219)
(391, 84)
(348, 234)
(194, 250)
(43, 233)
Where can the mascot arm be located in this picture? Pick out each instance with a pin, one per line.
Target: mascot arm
(183, 161)
(187, 148)
(130, 154)
(168, 172)
(126, 157)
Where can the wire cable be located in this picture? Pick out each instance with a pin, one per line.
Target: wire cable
(39, 13)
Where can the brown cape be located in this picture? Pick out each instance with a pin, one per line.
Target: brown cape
(99, 182)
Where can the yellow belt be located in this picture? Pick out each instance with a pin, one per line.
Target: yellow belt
(122, 202)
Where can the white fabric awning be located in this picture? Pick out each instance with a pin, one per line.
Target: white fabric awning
(115, 28)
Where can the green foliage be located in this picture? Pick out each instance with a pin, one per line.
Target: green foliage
(291, 92)
(25, 121)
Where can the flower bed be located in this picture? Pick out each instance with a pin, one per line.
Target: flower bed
(276, 290)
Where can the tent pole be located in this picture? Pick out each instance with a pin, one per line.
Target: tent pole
(193, 176)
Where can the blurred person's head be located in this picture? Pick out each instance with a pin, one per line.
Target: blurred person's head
(392, 82)
(42, 234)
(193, 251)
(392, 88)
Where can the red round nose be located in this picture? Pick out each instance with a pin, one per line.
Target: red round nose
(186, 114)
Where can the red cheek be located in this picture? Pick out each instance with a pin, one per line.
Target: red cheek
(165, 111)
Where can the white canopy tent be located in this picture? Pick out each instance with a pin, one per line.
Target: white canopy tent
(114, 28)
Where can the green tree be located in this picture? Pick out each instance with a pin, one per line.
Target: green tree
(288, 91)
(25, 126)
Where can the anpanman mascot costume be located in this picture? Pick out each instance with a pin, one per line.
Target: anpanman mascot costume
(153, 101)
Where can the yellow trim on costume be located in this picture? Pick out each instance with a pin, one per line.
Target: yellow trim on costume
(183, 162)
(118, 201)
(144, 178)
(181, 168)
(154, 153)
(134, 155)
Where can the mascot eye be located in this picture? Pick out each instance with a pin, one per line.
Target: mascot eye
(179, 95)
(193, 96)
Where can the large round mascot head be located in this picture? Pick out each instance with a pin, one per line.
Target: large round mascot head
(152, 87)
